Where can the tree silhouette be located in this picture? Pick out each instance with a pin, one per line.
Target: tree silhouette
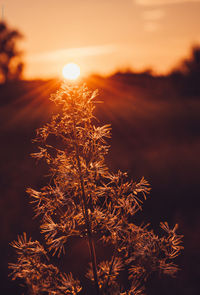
(191, 65)
(186, 76)
(11, 66)
(191, 70)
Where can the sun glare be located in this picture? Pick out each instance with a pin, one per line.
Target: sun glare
(71, 71)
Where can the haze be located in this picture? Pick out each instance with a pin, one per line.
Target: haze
(103, 36)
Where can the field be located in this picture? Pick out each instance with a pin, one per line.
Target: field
(155, 133)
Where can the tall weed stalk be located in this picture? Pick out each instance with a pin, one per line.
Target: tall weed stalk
(83, 199)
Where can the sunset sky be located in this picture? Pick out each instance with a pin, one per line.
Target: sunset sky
(103, 35)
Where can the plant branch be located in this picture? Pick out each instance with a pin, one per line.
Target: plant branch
(86, 213)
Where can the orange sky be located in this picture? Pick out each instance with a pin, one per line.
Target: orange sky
(103, 35)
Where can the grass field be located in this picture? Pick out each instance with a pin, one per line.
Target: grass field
(155, 133)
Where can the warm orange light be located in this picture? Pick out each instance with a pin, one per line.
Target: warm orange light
(71, 71)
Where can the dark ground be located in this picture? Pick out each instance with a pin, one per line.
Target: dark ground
(155, 133)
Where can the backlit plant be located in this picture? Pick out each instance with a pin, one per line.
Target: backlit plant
(83, 199)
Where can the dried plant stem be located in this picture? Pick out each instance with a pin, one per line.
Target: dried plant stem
(83, 196)
(86, 214)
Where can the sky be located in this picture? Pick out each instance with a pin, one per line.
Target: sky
(103, 36)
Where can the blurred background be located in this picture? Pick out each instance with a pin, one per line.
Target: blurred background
(144, 57)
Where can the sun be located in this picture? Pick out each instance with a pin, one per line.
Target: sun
(71, 71)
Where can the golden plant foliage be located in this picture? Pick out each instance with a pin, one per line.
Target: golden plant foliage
(84, 199)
